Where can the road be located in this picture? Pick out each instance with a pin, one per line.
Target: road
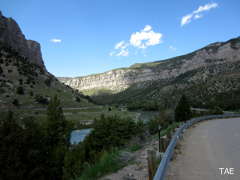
(206, 147)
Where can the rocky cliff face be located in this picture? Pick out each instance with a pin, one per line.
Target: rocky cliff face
(24, 80)
(12, 36)
(120, 79)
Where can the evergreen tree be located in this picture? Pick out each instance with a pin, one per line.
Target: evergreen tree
(57, 137)
(183, 110)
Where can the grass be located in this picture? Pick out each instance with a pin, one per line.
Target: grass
(168, 129)
(135, 147)
(77, 116)
(107, 164)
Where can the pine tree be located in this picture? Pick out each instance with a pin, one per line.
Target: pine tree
(183, 110)
(57, 137)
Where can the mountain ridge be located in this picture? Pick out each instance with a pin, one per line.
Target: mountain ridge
(117, 80)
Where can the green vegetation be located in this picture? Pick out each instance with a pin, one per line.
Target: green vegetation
(150, 105)
(58, 134)
(21, 76)
(183, 110)
(135, 147)
(33, 150)
(97, 155)
(20, 90)
(216, 110)
(108, 163)
(164, 119)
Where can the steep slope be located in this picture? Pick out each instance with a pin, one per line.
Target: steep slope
(208, 76)
(24, 80)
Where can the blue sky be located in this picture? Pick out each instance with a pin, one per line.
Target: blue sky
(81, 37)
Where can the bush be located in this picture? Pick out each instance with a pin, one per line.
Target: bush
(20, 90)
(78, 99)
(108, 163)
(1, 71)
(74, 162)
(148, 105)
(108, 132)
(216, 110)
(15, 102)
(183, 110)
(23, 153)
(41, 100)
(153, 126)
(164, 118)
(48, 82)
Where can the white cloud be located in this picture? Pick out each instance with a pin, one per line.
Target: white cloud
(195, 14)
(141, 40)
(146, 37)
(172, 48)
(147, 28)
(54, 40)
(186, 19)
(206, 7)
(198, 16)
(119, 45)
(123, 52)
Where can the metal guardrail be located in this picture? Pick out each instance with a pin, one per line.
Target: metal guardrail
(160, 173)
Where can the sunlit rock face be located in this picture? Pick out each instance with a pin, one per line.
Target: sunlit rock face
(120, 79)
(12, 36)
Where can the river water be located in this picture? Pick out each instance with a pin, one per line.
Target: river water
(78, 136)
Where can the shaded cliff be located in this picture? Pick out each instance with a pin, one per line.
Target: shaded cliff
(24, 80)
(12, 36)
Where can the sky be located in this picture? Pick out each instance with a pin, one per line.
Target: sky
(82, 37)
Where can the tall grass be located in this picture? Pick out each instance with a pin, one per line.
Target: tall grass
(108, 163)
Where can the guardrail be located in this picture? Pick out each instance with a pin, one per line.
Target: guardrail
(160, 173)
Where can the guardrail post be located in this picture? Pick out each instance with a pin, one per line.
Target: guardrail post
(151, 163)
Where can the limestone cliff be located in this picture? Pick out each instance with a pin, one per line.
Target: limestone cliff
(120, 79)
(12, 36)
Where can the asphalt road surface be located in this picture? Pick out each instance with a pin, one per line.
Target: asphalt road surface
(205, 148)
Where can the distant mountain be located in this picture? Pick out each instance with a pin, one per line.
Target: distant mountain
(24, 80)
(209, 77)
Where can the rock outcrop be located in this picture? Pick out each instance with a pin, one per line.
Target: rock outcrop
(12, 36)
(120, 79)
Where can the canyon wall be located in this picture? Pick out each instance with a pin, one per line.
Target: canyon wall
(12, 36)
(120, 79)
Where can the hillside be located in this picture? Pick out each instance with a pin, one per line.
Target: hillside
(209, 76)
(24, 80)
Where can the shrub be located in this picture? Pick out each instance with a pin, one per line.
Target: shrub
(216, 110)
(108, 132)
(74, 162)
(78, 99)
(153, 126)
(108, 163)
(23, 153)
(15, 102)
(41, 100)
(20, 90)
(48, 82)
(164, 119)
(183, 110)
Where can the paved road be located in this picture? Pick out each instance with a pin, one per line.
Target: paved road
(208, 146)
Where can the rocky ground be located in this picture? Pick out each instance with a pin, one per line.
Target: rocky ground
(137, 168)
